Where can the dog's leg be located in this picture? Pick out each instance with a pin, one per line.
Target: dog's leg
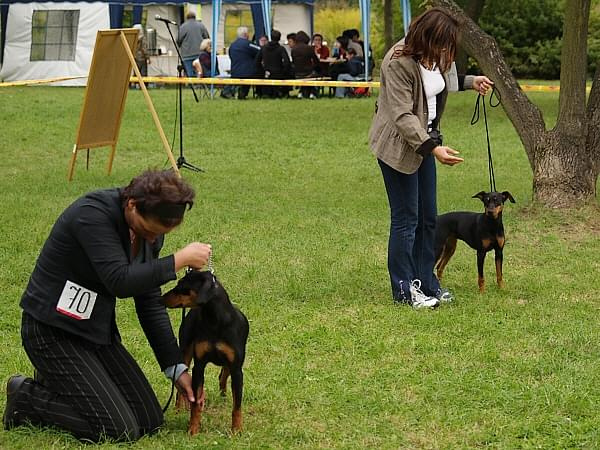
(198, 405)
(480, 278)
(499, 259)
(223, 380)
(447, 252)
(181, 401)
(237, 387)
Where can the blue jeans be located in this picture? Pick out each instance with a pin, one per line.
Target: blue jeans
(340, 92)
(411, 253)
(189, 68)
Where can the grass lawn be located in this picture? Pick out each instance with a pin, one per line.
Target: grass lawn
(294, 206)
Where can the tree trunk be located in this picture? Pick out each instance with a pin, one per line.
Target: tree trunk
(565, 160)
(388, 25)
(473, 9)
(565, 174)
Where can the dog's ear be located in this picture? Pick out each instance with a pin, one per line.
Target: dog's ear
(507, 195)
(479, 195)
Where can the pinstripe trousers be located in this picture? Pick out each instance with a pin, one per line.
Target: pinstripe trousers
(92, 391)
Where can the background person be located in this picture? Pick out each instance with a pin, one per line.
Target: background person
(273, 61)
(141, 51)
(203, 64)
(322, 52)
(242, 53)
(405, 138)
(354, 69)
(104, 245)
(191, 34)
(305, 63)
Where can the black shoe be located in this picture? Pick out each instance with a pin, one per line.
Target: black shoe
(11, 417)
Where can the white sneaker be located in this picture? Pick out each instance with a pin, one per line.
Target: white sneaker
(419, 299)
(312, 96)
(300, 95)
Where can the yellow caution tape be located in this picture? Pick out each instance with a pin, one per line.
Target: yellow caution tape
(316, 82)
(44, 81)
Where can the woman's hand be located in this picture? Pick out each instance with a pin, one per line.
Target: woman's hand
(184, 386)
(194, 255)
(446, 155)
(482, 84)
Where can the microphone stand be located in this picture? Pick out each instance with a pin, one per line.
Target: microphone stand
(181, 71)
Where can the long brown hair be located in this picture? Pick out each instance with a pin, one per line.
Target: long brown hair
(431, 37)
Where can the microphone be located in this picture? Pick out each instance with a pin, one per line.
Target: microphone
(157, 17)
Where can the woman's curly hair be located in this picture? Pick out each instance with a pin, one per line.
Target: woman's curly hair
(156, 190)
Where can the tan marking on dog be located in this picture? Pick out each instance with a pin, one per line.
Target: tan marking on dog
(227, 351)
(499, 279)
(201, 349)
(481, 283)
(486, 243)
(180, 301)
(497, 211)
(500, 240)
(223, 380)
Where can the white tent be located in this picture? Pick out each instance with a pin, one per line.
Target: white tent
(23, 61)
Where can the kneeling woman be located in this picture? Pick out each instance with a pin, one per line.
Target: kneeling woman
(105, 245)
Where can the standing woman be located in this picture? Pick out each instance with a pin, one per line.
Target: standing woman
(405, 138)
(104, 245)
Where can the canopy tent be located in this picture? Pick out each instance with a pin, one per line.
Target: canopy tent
(17, 27)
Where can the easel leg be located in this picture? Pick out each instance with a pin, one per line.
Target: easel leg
(150, 105)
(110, 159)
(72, 162)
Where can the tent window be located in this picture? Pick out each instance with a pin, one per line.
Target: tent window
(54, 35)
(235, 19)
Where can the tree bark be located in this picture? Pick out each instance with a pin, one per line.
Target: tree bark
(473, 9)
(388, 25)
(564, 160)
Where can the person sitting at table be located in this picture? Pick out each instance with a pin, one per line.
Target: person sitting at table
(274, 62)
(305, 61)
(354, 41)
(354, 69)
(337, 60)
(322, 52)
(203, 63)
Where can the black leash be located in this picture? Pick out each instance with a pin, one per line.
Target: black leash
(475, 119)
(164, 410)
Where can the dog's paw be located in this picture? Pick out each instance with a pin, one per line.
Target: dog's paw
(182, 404)
(194, 429)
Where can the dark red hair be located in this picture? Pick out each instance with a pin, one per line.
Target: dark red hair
(160, 194)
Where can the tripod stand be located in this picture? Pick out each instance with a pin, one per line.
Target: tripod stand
(181, 72)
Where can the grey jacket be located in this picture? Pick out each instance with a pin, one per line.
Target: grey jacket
(191, 34)
(398, 134)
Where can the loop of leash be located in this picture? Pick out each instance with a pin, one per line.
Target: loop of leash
(475, 119)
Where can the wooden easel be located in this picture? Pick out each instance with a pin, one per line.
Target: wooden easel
(105, 94)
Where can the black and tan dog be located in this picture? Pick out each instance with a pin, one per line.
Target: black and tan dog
(482, 232)
(213, 331)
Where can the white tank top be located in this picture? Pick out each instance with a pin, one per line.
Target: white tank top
(433, 84)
